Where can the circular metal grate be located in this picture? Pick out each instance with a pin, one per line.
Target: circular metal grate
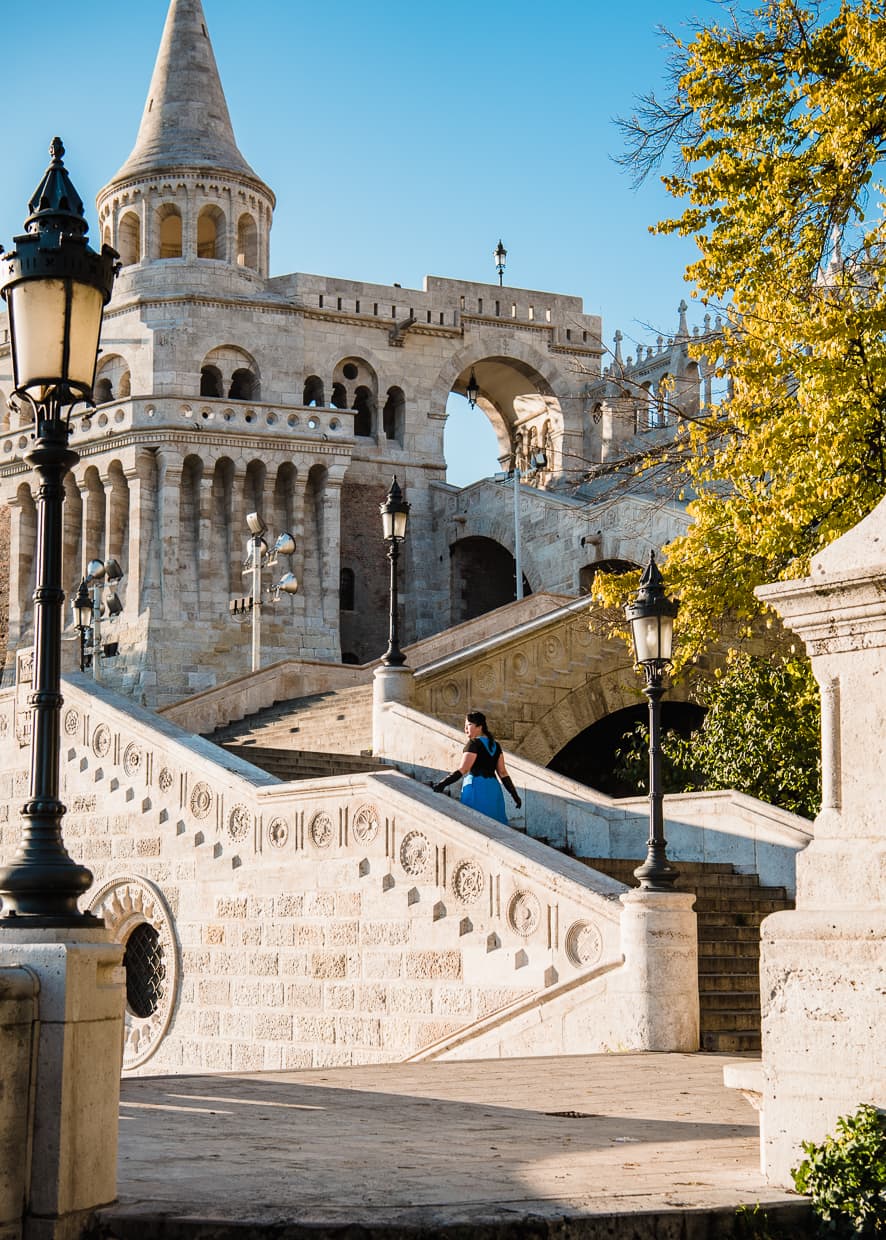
(145, 970)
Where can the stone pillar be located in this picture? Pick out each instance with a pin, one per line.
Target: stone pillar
(169, 498)
(209, 570)
(390, 684)
(77, 1072)
(140, 480)
(823, 966)
(22, 529)
(659, 982)
(19, 989)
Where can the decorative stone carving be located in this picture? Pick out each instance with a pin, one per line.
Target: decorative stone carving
(132, 759)
(201, 800)
(524, 913)
(553, 648)
(468, 882)
(137, 915)
(584, 944)
(450, 693)
(415, 853)
(321, 829)
(72, 722)
(165, 779)
(520, 665)
(101, 741)
(278, 832)
(484, 678)
(84, 804)
(366, 824)
(239, 823)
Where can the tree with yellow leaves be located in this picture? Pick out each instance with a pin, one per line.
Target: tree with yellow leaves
(778, 122)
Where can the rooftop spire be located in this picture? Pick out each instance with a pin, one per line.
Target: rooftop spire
(186, 121)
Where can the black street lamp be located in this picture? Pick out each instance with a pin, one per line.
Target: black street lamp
(81, 605)
(55, 288)
(651, 617)
(394, 516)
(472, 391)
(500, 257)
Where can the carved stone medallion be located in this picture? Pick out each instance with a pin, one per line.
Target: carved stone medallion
(137, 915)
(101, 741)
(450, 693)
(239, 823)
(366, 824)
(584, 944)
(468, 882)
(321, 829)
(520, 665)
(72, 722)
(164, 779)
(524, 913)
(132, 759)
(484, 678)
(201, 800)
(415, 853)
(278, 832)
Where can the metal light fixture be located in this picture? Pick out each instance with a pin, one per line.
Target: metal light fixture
(55, 288)
(500, 257)
(258, 557)
(651, 616)
(472, 391)
(81, 605)
(103, 575)
(394, 513)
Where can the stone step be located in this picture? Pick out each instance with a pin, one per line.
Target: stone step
(730, 1042)
(727, 934)
(293, 764)
(720, 982)
(337, 721)
(725, 965)
(720, 1001)
(738, 904)
(732, 1022)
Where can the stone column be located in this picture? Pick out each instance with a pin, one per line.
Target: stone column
(140, 479)
(169, 522)
(390, 684)
(823, 966)
(21, 554)
(659, 982)
(76, 1076)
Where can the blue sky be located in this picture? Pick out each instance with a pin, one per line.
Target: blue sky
(400, 139)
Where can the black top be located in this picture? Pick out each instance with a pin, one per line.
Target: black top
(488, 752)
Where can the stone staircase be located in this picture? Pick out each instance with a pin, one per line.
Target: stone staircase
(338, 722)
(291, 764)
(729, 907)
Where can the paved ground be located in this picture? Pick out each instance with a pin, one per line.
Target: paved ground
(603, 1145)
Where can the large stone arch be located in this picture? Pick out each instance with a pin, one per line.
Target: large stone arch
(606, 693)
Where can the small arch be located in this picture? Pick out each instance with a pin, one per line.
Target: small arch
(210, 233)
(129, 233)
(247, 242)
(393, 416)
(313, 392)
(339, 396)
(587, 574)
(244, 385)
(211, 383)
(103, 391)
(112, 379)
(169, 231)
(364, 412)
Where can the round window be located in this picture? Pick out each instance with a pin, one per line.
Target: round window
(349, 370)
(145, 970)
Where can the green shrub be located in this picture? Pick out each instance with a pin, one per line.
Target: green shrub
(846, 1175)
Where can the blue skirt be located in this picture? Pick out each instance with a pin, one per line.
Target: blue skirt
(484, 794)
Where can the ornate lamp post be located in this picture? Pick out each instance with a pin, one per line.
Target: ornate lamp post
(500, 258)
(258, 558)
(55, 287)
(472, 391)
(81, 605)
(394, 517)
(651, 617)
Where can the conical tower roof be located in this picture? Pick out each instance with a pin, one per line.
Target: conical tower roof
(186, 122)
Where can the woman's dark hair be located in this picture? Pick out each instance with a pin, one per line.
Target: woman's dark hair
(477, 717)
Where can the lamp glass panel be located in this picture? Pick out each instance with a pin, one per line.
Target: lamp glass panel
(387, 523)
(82, 611)
(400, 524)
(647, 638)
(87, 304)
(38, 313)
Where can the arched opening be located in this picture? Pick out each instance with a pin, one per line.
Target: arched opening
(689, 398)
(247, 243)
(169, 231)
(313, 393)
(103, 390)
(364, 412)
(393, 416)
(189, 538)
(339, 396)
(211, 383)
(481, 577)
(129, 232)
(226, 539)
(587, 574)
(346, 589)
(591, 757)
(71, 540)
(210, 233)
(112, 379)
(244, 385)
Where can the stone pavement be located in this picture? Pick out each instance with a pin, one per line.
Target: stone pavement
(635, 1146)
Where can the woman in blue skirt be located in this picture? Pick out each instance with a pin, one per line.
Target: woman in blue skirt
(483, 760)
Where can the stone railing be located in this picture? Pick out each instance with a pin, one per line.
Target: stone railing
(342, 920)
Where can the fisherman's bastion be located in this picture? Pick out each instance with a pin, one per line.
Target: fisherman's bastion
(287, 888)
